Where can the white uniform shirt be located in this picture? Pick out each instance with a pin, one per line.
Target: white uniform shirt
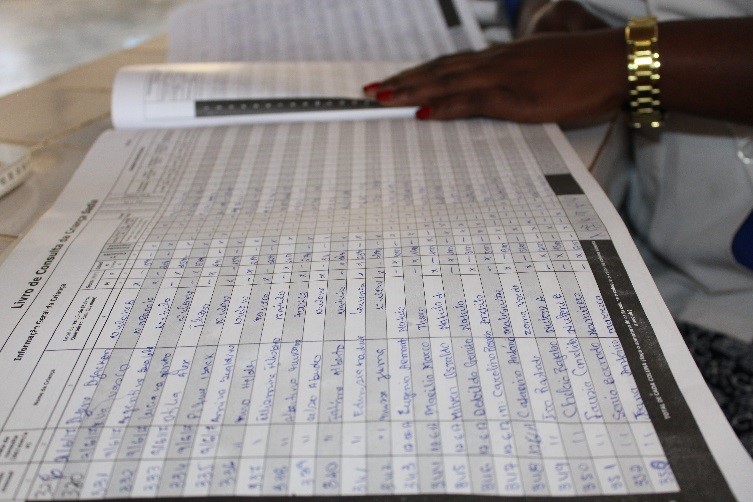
(619, 11)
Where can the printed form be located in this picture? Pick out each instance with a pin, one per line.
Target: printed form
(382, 307)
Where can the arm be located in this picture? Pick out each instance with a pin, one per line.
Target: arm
(581, 76)
(707, 68)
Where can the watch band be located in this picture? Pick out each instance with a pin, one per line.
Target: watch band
(642, 36)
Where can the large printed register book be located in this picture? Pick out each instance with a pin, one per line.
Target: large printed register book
(375, 306)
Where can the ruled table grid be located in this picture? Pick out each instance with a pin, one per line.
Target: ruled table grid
(287, 323)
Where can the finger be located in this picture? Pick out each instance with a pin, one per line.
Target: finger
(435, 89)
(436, 68)
(371, 89)
(423, 74)
(494, 103)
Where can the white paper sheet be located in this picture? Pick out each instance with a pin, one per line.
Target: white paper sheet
(382, 307)
(207, 94)
(321, 30)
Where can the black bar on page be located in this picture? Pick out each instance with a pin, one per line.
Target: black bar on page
(224, 107)
(449, 12)
(686, 450)
(563, 184)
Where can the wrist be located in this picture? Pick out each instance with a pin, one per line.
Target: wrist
(606, 60)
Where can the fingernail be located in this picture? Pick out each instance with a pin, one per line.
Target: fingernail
(371, 88)
(384, 95)
(423, 113)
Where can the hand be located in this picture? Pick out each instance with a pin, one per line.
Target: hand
(559, 77)
(579, 77)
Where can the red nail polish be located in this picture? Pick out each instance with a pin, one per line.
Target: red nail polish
(372, 87)
(384, 95)
(423, 113)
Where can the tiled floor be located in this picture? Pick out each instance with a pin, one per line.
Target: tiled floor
(40, 38)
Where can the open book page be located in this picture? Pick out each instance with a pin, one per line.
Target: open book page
(321, 30)
(207, 94)
(331, 308)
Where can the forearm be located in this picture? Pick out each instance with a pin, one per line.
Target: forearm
(581, 76)
(707, 64)
(707, 68)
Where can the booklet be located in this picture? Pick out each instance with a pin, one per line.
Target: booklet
(209, 94)
(286, 60)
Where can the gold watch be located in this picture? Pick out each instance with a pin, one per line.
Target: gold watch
(642, 36)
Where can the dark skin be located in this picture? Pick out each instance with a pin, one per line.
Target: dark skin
(568, 67)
